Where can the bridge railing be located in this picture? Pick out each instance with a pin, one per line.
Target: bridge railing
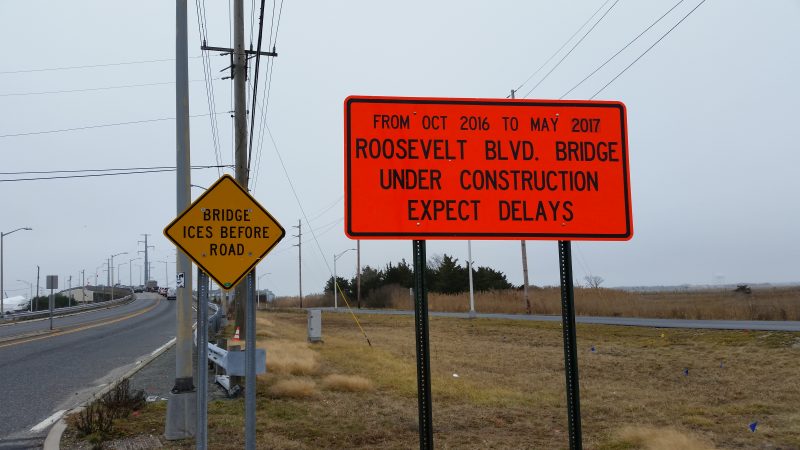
(66, 310)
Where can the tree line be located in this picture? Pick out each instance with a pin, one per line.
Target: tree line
(444, 274)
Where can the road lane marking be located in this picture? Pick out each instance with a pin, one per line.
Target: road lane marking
(85, 327)
(41, 426)
(170, 342)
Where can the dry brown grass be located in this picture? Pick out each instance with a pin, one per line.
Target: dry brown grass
(509, 392)
(347, 383)
(289, 357)
(650, 438)
(762, 304)
(293, 388)
(309, 301)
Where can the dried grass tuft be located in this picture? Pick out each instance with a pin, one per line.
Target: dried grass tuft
(720, 304)
(291, 358)
(347, 383)
(650, 438)
(293, 388)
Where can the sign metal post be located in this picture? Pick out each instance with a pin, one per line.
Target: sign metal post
(201, 436)
(52, 283)
(250, 363)
(570, 345)
(226, 232)
(423, 348)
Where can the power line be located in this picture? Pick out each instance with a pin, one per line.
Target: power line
(648, 49)
(90, 66)
(562, 46)
(103, 88)
(320, 231)
(266, 96)
(264, 101)
(328, 208)
(40, 172)
(622, 49)
(573, 48)
(210, 98)
(89, 127)
(297, 199)
(255, 83)
(93, 175)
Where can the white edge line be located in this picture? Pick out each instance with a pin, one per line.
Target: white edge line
(49, 421)
(160, 349)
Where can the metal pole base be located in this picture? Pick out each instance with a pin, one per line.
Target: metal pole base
(181, 416)
(185, 384)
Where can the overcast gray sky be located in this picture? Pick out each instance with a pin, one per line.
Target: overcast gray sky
(713, 128)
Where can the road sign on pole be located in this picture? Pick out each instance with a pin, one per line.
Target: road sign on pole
(432, 168)
(226, 232)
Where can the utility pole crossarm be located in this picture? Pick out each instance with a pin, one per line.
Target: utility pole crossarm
(230, 50)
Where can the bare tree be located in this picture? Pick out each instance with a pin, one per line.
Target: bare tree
(593, 281)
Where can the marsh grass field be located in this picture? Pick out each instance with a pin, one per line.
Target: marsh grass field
(500, 384)
(764, 303)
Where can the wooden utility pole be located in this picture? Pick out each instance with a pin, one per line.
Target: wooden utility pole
(240, 133)
(299, 246)
(524, 265)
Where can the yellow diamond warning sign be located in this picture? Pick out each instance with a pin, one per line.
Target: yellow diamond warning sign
(225, 232)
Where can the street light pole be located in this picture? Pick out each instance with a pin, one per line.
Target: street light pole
(111, 265)
(130, 271)
(118, 275)
(166, 273)
(2, 289)
(258, 296)
(335, 280)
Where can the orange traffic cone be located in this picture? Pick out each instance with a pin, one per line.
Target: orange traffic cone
(236, 334)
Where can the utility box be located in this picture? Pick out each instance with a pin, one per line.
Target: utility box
(314, 325)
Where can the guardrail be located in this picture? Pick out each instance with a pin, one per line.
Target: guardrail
(64, 311)
(230, 362)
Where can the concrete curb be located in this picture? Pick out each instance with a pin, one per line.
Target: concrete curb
(53, 440)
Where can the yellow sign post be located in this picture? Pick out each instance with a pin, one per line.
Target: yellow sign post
(225, 232)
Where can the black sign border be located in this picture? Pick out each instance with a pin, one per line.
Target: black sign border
(199, 264)
(628, 234)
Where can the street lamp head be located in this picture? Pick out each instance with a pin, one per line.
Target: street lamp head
(14, 231)
(335, 257)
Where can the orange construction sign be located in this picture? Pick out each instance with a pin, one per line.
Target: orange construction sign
(436, 168)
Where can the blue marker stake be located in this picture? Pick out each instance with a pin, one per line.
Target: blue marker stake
(593, 350)
(753, 426)
(686, 372)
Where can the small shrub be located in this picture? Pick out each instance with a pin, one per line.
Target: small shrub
(95, 421)
(122, 400)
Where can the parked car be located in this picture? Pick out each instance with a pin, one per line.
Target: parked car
(171, 294)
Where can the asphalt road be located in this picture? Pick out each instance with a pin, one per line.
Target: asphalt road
(760, 325)
(43, 373)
